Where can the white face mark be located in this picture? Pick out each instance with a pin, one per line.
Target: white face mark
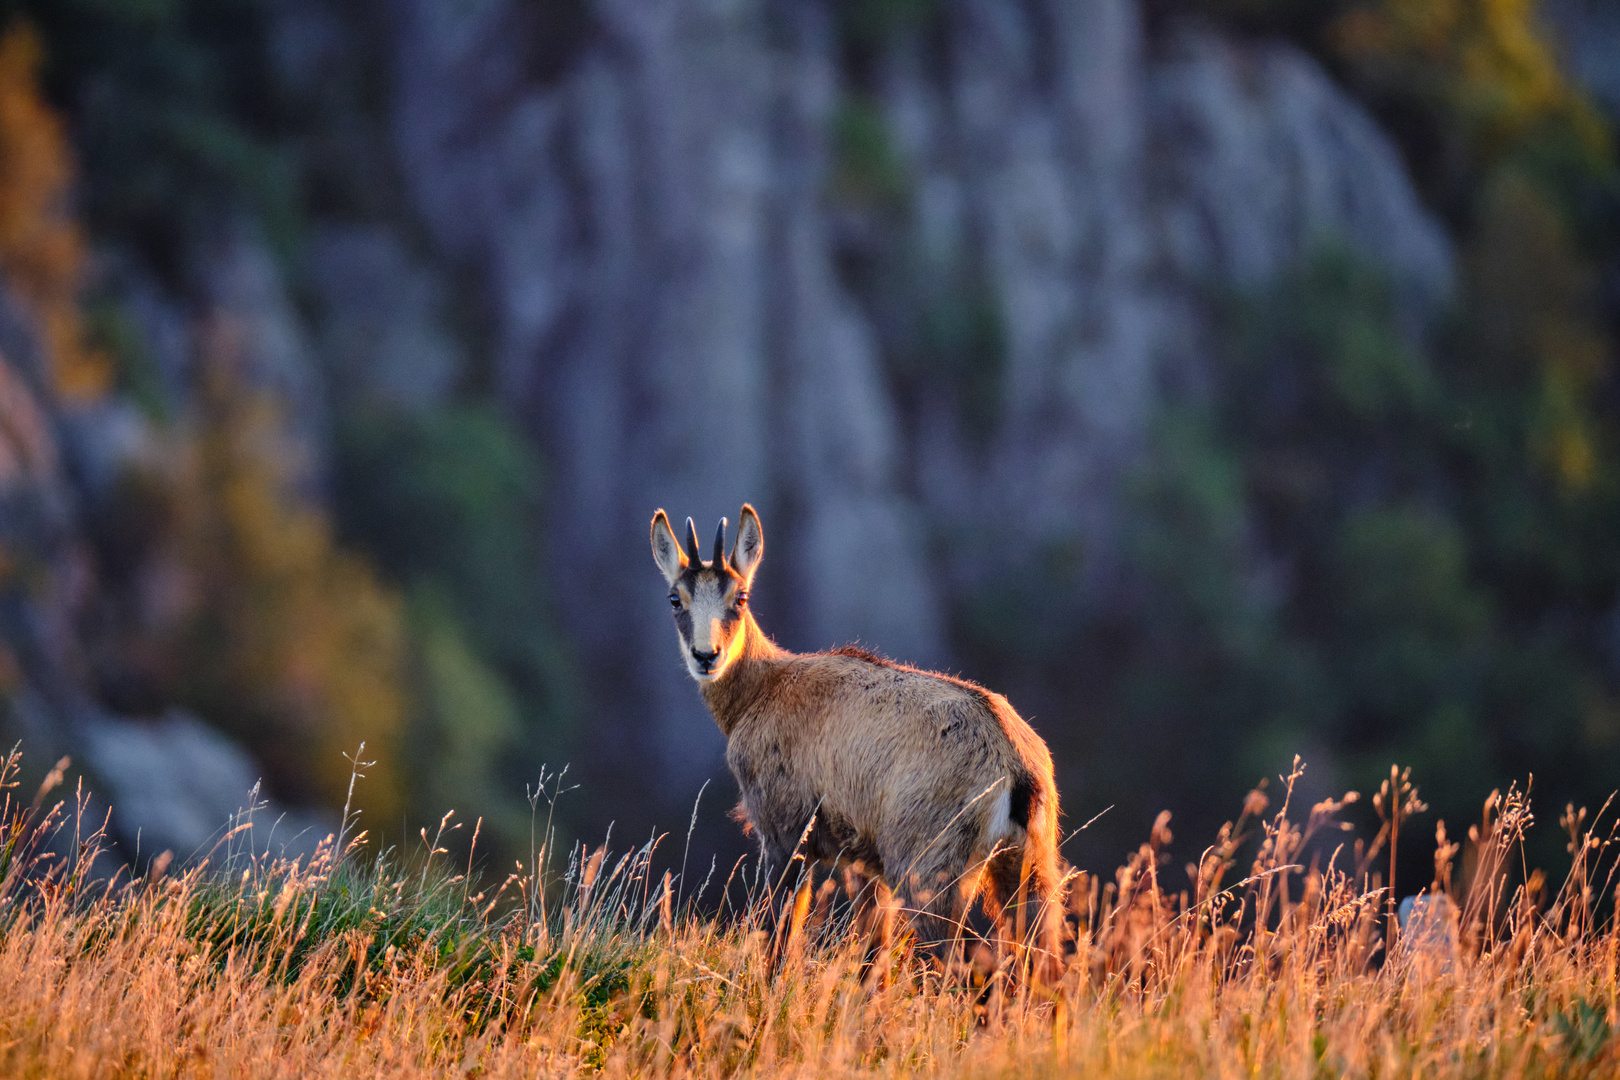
(709, 622)
(709, 598)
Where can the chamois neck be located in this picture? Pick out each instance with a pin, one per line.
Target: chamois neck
(730, 696)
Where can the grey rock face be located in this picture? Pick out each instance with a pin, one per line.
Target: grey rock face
(1264, 157)
(251, 322)
(1428, 938)
(670, 321)
(383, 336)
(176, 784)
(662, 260)
(1032, 153)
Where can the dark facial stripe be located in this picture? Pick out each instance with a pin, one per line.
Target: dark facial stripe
(695, 575)
(701, 575)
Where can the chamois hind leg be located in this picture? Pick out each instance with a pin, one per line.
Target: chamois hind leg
(788, 930)
(1006, 906)
(931, 893)
(1021, 898)
(1044, 882)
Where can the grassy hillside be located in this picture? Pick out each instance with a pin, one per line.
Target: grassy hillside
(1264, 959)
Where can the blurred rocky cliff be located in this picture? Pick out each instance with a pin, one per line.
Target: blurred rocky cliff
(920, 280)
(912, 288)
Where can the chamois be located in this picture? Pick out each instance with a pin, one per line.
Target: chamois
(930, 783)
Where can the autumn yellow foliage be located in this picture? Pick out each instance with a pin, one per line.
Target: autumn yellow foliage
(253, 614)
(41, 249)
(295, 645)
(1487, 61)
(1540, 327)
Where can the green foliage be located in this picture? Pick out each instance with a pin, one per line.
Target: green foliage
(447, 503)
(1406, 621)
(467, 723)
(1193, 494)
(112, 332)
(962, 342)
(944, 335)
(871, 23)
(450, 495)
(388, 917)
(1584, 1028)
(283, 637)
(867, 171)
(172, 117)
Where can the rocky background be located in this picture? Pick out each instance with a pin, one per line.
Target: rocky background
(1221, 380)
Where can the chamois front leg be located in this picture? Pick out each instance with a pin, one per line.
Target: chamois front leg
(871, 918)
(788, 882)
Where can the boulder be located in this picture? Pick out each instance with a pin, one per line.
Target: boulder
(176, 784)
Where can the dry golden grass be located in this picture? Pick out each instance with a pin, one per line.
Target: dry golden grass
(340, 967)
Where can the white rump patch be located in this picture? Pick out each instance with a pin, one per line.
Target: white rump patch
(1001, 822)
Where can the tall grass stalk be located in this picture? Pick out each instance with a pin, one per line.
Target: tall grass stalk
(357, 965)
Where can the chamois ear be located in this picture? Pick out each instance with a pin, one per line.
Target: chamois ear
(750, 545)
(668, 554)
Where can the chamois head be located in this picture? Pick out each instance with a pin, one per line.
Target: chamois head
(710, 598)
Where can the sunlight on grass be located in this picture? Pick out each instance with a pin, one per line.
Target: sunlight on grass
(353, 965)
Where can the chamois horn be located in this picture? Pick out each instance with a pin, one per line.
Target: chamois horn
(692, 543)
(720, 545)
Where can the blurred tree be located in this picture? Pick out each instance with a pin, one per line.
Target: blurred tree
(226, 589)
(1363, 539)
(279, 637)
(1483, 82)
(1535, 337)
(174, 117)
(1382, 551)
(41, 249)
(448, 502)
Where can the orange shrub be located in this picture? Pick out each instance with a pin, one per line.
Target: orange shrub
(41, 249)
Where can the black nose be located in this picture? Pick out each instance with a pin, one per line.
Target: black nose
(705, 659)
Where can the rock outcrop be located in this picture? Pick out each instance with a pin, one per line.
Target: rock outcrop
(1262, 156)
(177, 785)
(649, 194)
(912, 288)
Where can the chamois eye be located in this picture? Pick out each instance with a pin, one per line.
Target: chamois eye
(675, 601)
(741, 600)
